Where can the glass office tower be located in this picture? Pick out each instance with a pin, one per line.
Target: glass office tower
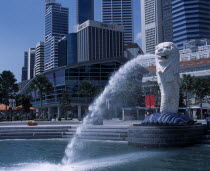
(191, 20)
(67, 50)
(25, 67)
(85, 10)
(56, 27)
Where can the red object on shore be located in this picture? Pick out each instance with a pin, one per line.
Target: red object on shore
(32, 124)
(150, 100)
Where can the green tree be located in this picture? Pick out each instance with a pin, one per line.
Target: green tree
(8, 86)
(86, 89)
(187, 86)
(65, 101)
(42, 85)
(130, 94)
(24, 101)
(201, 89)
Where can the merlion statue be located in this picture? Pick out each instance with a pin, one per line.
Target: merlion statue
(167, 70)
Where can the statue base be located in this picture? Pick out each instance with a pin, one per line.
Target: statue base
(150, 136)
(167, 119)
(165, 130)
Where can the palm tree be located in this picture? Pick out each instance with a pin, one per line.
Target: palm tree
(187, 86)
(24, 101)
(65, 101)
(43, 86)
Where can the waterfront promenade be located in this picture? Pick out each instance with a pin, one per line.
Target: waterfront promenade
(113, 130)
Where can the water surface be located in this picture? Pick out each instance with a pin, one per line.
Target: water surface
(46, 155)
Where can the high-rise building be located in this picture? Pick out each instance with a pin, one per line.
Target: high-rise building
(67, 50)
(97, 40)
(119, 12)
(191, 20)
(56, 27)
(31, 62)
(85, 10)
(25, 67)
(156, 22)
(39, 58)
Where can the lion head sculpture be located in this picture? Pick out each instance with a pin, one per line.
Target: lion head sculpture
(167, 61)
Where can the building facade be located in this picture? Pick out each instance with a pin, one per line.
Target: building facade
(39, 58)
(67, 50)
(195, 49)
(156, 22)
(24, 76)
(191, 20)
(97, 40)
(56, 27)
(119, 12)
(69, 78)
(85, 10)
(31, 63)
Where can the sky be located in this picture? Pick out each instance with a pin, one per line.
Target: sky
(22, 26)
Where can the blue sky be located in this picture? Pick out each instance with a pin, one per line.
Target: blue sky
(22, 26)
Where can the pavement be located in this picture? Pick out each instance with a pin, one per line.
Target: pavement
(75, 122)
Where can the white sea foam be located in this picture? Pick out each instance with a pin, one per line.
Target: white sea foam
(83, 165)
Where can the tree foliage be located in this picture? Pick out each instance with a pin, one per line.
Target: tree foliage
(86, 89)
(8, 86)
(201, 89)
(65, 100)
(24, 101)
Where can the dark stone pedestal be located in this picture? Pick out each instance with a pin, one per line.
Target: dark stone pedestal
(164, 136)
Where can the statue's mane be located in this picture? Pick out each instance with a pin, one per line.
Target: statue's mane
(171, 68)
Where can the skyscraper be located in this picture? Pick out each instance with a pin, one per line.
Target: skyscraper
(39, 58)
(31, 62)
(119, 12)
(85, 10)
(97, 40)
(67, 50)
(156, 22)
(56, 27)
(191, 20)
(25, 67)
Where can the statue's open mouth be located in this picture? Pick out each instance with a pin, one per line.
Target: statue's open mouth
(165, 57)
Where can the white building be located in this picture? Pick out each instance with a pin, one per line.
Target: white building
(119, 12)
(56, 27)
(97, 40)
(31, 62)
(39, 58)
(156, 22)
(195, 49)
